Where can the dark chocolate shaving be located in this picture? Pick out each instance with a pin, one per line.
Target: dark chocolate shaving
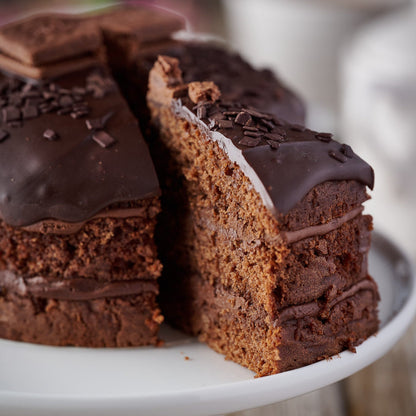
(268, 124)
(4, 134)
(103, 139)
(94, 124)
(64, 111)
(249, 141)
(273, 144)
(347, 151)
(11, 113)
(51, 135)
(24, 101)
(324, 137)
(337, 156)
(247, 128)
(242, 118)
(79, 113)
(30, 111)
(297, 127)
(252, 133)
(225, 124)
(16, 123)
(257, 114)
(275, 137)
(66, 101)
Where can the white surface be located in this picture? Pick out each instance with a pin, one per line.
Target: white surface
(45, 381)
(299, 39)
(378, 116)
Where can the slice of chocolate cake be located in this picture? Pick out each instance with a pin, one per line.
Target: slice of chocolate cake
(79, 198)
(262, 235)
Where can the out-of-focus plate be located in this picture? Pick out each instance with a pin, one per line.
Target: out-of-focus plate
(186, 377)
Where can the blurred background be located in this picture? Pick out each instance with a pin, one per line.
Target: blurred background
(354, 64)
(352, 61)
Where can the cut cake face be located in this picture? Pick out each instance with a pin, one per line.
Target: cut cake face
(79, 195)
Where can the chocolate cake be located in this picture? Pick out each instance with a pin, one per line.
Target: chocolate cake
(79, 195)
(261, 233)
(267, 256)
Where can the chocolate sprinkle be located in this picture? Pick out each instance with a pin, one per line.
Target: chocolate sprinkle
(64, 111)
(94, 124)
(66, 101)
(275, 137)
(268, 124)
(103, 139)
(257, 114)
(47, 108)
(250, 128)
(249, 123)
(15, 100)
(16, 123)
(107, 117)
(347, 151)
(79, 113)
(47, 95)
(225, 124)
(30, 111)
(11, 113)
(242, 118)
(51, 135)
(297, 127)
(218, 116)
(337, 156)
(79, 91)
(3, 135)
(324, 137)
(252, 133)
(273, 144)
(249, 141)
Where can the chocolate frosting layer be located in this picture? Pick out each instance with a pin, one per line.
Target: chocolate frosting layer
(69, 149)
(321, 229)
(73, 289)
(315, 308)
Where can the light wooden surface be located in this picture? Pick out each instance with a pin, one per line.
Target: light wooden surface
(386, 388)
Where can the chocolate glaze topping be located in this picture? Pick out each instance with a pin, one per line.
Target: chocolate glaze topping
(70, 149)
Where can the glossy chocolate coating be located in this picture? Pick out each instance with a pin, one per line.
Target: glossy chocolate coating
(73, 177)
